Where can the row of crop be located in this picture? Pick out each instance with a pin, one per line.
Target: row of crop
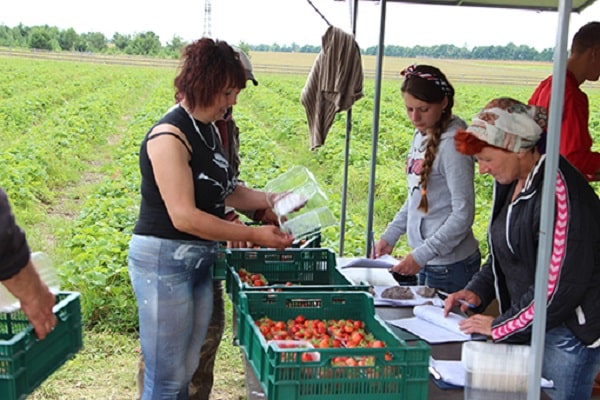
(33, 91)
(105, 117)
(53, 145)
(274, 137)
(74, 127)
(98, 239)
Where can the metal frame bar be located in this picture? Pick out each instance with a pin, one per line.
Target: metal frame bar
(564, 9)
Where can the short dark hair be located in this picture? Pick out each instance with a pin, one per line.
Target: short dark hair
(207, 67)
(587, 37)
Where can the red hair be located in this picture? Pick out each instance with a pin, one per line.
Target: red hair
(468, 144)
(208, 66)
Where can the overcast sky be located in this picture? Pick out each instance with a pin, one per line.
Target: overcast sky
(295, 21)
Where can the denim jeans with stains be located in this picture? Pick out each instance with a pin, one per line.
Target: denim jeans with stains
(452, 277)
(570, 364)
(174, 292)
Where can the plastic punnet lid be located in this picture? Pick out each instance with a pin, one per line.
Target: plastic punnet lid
(301, 188)
(308, 223)
(300, 181)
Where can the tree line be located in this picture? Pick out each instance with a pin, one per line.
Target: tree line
(44, 37)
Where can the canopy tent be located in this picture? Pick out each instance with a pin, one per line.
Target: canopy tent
(564, 9)
(540, 5)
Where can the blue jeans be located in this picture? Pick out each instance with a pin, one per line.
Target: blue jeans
(451, 277)
(174, 291)
(570, 364)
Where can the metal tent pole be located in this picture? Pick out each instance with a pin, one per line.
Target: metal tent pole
(346, 154)
(375, 138)
(548, 200)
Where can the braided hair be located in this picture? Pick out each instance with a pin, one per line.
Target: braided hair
(429, 84)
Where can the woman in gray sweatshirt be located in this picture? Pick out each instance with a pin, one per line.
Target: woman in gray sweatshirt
(438, 213)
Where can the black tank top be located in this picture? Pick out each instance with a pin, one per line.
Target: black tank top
(214, 179)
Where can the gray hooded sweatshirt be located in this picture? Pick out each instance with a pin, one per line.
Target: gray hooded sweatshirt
(443, 235)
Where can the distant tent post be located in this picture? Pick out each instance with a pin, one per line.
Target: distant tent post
(546, 231)
(375, 138)
(347, 153)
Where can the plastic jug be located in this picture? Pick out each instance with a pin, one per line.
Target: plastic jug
(45, 268)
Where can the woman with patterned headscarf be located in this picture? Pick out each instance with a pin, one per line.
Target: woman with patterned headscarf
(438, 213)
(506, 139)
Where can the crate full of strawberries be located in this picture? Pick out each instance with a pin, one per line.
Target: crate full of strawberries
(347, 351)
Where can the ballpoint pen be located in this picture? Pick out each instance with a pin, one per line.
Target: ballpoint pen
(461, 301)
(435, 373)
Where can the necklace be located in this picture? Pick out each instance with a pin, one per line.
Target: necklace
(214, 139)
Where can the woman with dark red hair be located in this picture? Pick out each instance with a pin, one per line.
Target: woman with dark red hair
(506, 139)
(186, 185)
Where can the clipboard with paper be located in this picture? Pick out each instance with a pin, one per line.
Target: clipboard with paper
(430, 325)
(385, 261)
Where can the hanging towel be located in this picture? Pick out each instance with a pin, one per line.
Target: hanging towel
(335, 82)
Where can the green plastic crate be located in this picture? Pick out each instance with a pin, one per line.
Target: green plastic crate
(219, 269)
(283, 375)
(307, 269)
(25, 361)
(220, 266)
(311, 241)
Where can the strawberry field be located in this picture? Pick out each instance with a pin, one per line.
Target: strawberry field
(64, 123)
(70, 133)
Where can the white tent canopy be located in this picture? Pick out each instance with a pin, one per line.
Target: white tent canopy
(541, 5)
(563, 9)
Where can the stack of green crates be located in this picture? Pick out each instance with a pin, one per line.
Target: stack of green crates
(305, 269)
(397, 371)
(25, 361)
(220, 266)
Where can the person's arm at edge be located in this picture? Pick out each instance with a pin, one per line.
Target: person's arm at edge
(576, 140)
(19, 276)
(35, 298)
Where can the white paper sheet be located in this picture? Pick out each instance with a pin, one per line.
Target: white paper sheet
(385, 261)
(430, 325)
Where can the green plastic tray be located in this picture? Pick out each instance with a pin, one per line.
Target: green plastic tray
(283, 375)
(306, 269)
(220, 267)
(25, 361)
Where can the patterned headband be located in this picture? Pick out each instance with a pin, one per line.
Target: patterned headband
(509, 124)
(442, 83)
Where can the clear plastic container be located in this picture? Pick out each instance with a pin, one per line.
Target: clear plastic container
(495, 371)
(309, 223)
(282, 345)
(303, 191)
(301, 181)
(45, 268)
